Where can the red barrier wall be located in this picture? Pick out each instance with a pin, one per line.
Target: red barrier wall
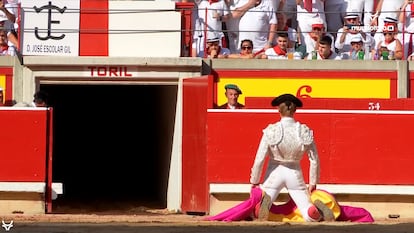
(363, 148)
(411, 84)
(338, 103)
(23, 143)
(194, 144)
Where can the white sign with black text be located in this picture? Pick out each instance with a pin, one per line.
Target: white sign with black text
(50, 27)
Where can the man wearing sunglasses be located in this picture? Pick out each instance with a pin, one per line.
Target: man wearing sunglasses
(389, 40)
(246, 50)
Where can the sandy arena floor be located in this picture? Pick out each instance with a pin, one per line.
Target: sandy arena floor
(161, 221)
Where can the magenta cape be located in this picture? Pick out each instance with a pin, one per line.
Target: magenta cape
(244, 210)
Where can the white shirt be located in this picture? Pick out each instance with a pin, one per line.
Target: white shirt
(223, 51)
(391, 46)
(333, 56)
(305, 18)
(317, 6)
(390, 8)
(346, 45)
(271, 54)
(378, 37)
(12, 8)
(232, 25)
(255, 24)
(292, 34)
(214, 25)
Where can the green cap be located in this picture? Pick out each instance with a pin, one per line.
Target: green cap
(234, 87)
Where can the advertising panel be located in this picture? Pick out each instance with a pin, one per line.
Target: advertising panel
(309, 84)
(50, 27)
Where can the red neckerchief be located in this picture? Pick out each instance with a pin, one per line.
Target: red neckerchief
(4, 47)
(213, 1)
(279, 51)
(330, 53)
(412, 10)
(307, 4)
(286, 28)
(258, 52)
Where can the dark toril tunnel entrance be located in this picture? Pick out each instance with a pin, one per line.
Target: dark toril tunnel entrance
(112, 145)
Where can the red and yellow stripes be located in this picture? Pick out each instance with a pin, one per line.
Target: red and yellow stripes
(316, 84)
(6, 83)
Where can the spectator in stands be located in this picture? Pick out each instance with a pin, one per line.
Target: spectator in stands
(41, 99)
(5, 49)
(289, 8)
(386, 9)
(390, 44)
(285, 143)
(390, 25)
(209, 19)
(324, 51)
(258, 24)
(408, 8)
(283, 27)
(278, 5)
(215, 50)
(349, 30)
(8, 15)
(312, 38)
(232, 26)
(237, 8)
(335, 10)
(356, 49)
(279, 51)
(232, 94)
(8, 11)
(307, 10)
(407, 22)
(11, 34)
(364, 9)
(246, 50)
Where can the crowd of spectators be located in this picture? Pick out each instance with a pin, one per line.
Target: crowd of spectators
(9, 41)
(304, 29)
